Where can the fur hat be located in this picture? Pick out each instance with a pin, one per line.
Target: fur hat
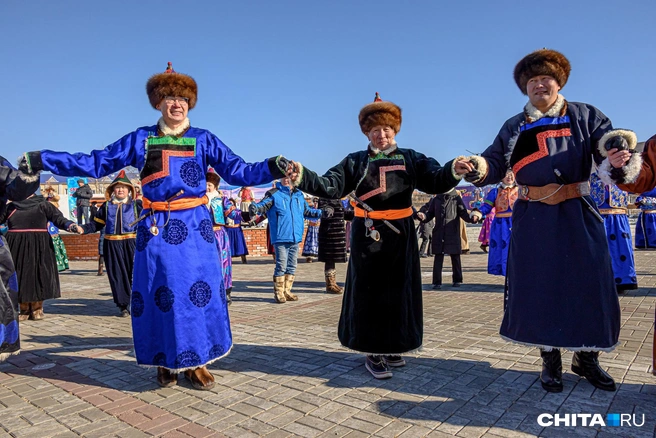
(171, 83)
(121, 178)
(542, 62)
(380, 113)
(212, 177)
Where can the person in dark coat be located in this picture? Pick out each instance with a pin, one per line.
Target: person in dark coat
(116, 217)
(382, 313)
(332, 240)
(447, 209)
(426, 236)
(33, 252)
(14, 186)
(82, 196)
(560, 289)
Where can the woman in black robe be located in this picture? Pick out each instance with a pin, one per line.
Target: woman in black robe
(382, 306)
(33, 252)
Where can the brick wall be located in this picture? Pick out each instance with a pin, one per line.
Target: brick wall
(85, 247)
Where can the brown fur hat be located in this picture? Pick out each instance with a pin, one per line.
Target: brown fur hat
(171, 83)
(380, 113)
(214, 178)
(542, 62)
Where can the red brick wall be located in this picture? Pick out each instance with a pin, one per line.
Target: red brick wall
(85, 247)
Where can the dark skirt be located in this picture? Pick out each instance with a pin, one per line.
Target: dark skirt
(237, 241)
(34, 256)
(119, 262)
(382, 309)
(332, 241)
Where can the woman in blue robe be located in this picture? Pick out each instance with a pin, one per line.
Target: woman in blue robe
(612, 204)
(179, 312)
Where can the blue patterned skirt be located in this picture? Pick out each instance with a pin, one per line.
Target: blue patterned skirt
(618, 232)
(311, 245)
(225, 256)
(237, 241)
(646, 231)
(179, 311)
(497, 259)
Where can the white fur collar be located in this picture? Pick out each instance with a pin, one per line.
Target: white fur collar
(387, 151)
(174, 132)
(125, 200)
(535, 114)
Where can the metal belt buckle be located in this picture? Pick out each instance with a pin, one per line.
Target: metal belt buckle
(524, 192)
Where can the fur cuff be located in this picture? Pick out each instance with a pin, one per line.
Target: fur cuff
(627, 174)
(476, 214)
(629, 136)
(481, 166)
(31, 178)
(453, 167)
(300, 174)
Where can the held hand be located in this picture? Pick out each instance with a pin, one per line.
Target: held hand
(463, 167)
(253, 210)
(421, 216)
(618, 158)
(79, 230)
(293, 171)
(327, 212)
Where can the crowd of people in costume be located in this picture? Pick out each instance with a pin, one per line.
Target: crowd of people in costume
(560, 297)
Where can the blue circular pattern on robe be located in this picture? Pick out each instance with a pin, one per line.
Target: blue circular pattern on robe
(164, 298)
(137, 306)
(175, 232)
(623, 258)
(159, 359)
(207, 231)
(187, 359)
(618, 280)
(503, 244)
(612, 237)
(217, 351)
(223, 294)
(200, 293)
(143, 237)
(191, 173)
(493, 243)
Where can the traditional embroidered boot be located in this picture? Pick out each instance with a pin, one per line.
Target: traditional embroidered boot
(289, 282)
(200, 378)
(279, 289)
(552, 371)
(586, 364)
(100, 265)
(331, 284)
(37, 310)
(166, 378)
(25, 312)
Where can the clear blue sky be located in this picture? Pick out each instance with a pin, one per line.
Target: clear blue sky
(290, 77)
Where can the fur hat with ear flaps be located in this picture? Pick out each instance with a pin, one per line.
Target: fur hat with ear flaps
(173, 84)
(380, 113)
(545, 62)
(121, 178)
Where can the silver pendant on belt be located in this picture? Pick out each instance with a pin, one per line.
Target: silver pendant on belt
(375, 235)
(153, 227)
(368, 223)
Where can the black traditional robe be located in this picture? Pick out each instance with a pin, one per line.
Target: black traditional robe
(382, 304)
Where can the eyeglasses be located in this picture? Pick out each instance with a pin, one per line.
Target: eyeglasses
(178, 99)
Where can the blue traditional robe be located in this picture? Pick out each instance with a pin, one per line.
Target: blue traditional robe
(646, 225)
(502, 200)
(179, 312)
(560, 289)
(612, 203)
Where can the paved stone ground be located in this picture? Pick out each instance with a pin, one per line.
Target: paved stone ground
(287, 375)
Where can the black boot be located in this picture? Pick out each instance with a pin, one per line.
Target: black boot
(228, 292)
(551, 376)
(586, 364)
(100, 265)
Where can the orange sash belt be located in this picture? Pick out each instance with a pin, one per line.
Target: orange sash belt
(383, 214)
(178, 204)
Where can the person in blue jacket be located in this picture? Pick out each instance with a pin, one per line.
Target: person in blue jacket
(286, 208)
(646, 226)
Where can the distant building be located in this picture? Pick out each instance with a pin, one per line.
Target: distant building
(98, 186)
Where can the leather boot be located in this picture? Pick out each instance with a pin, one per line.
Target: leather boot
(243, 259)
(25, 312)
(37, 311)
(552, 371)
(586, 364)
(200, 378)
(228, 292)
(279, 289)
(331, 284)
(100, 265)
(166, 378)
(289, 282)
